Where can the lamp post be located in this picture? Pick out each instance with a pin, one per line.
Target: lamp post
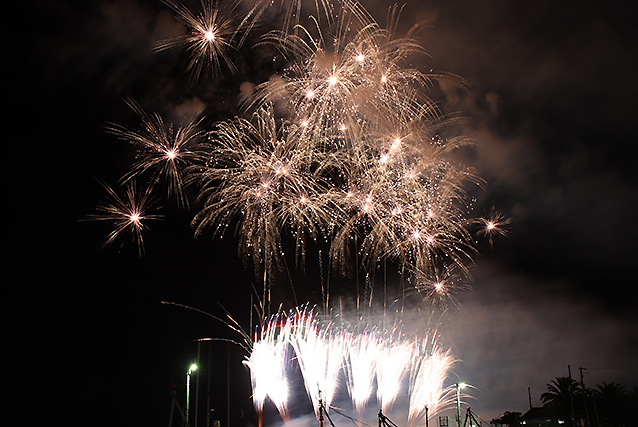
(459, 386)
(191, 368)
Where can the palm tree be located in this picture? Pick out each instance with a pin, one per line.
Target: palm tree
(559, 398)
(613, 404)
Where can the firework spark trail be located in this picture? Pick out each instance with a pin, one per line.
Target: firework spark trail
(426, 384)
(268, 362)
(320, 356)
(291, 11)
(362, 355)
(394, 362)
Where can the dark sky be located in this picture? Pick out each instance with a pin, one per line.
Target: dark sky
(551, 103)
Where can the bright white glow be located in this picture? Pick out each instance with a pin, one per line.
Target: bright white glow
(327, 356)
(171, 154)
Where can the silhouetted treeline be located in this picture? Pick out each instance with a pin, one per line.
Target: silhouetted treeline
(567, 404)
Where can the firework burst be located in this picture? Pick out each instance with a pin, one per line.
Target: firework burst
(126, 213)
(343, 85)
(263, 174)
(209, 37)
(493, 224)
(163, 151)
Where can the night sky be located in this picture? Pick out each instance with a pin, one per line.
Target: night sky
(551, 104)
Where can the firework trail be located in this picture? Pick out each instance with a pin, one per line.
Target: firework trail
(362, 355)
(267, 362)
(393, 363)
(320, 354)
(426, 384)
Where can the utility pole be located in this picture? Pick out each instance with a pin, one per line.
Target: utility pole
(571, 395)
(227, 384)
(529, 395)
(190, 371)
(582, 385)
(210, 355)
(199, 346)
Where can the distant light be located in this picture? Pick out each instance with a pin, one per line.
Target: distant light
(332, 80)
(192, 368)
(210, 36)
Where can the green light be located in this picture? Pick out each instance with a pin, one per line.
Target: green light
(192, 368)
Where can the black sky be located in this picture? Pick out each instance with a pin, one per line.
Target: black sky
(552, 105)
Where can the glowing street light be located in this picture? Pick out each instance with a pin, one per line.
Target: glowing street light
(191, 368)
(459, 386)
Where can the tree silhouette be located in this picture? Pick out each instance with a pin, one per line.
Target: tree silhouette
(559, 398)
(509, 419)
(613, 405)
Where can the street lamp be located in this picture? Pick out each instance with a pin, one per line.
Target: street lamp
(191, 368)
(459, 386)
